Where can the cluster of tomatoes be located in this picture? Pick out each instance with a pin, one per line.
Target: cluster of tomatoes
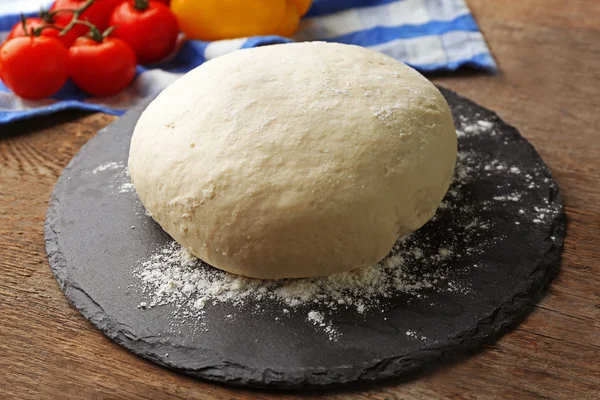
(97, 43)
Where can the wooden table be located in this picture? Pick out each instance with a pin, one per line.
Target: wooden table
(549, 87)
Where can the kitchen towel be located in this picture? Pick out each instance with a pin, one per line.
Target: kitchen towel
(429, 35)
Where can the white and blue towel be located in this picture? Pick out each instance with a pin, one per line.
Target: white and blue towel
(429, 35)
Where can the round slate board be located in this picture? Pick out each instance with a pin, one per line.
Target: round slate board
(497, 237)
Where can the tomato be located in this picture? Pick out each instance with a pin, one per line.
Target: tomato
(33, 67)
(227, 19)
(35, 23)
(149, 27)
(101, 68)
(98, 13)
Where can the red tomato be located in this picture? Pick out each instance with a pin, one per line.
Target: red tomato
(151, 32)
(101, 69)
(35, 23)
(33, 67)
(98, 13)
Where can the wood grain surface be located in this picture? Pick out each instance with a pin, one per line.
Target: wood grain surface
(549, 87)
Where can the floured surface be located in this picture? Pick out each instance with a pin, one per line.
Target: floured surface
(447, 288)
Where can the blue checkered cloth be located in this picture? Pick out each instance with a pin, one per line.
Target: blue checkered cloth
(429, 35)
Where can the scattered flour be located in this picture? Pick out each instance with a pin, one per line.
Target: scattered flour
(508, 197)
(173, 275)
(317, 319)
(415, 335)
(121, 179)
(126, 187)
(477, 128)
(107, 166)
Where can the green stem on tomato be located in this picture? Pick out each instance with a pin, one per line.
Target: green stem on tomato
(45, 15)
(38, 31)
(94, 32)
(108, 31)
(141, 5)
(24, 23)
(76, 15)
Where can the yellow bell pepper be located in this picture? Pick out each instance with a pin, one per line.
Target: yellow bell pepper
(228, 19)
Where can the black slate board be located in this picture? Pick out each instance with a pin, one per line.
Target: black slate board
(93, 249)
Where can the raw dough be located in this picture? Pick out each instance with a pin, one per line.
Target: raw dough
(294, 160)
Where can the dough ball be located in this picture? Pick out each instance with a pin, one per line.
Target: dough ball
(294, 160)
